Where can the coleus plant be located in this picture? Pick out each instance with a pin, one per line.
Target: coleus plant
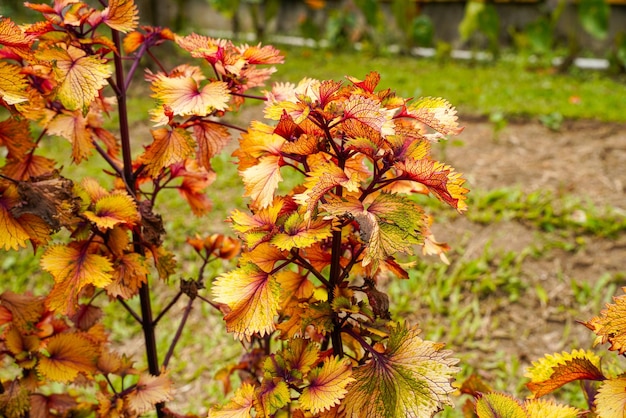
(603, 384)
(62, 78)
(308, 290)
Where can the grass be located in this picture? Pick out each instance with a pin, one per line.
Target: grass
(461, 303)
(503, 87)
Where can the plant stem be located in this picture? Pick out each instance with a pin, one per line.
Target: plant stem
(144, 291)
(179, 332)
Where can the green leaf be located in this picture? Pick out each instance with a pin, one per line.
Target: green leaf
(411, 378)
(594, 17)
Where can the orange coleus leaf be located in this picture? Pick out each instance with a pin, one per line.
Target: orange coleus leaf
(15, 399)
(73, 267)
(294, 286)
(410, 378)
(196, 179)
(133, 41)
(68, 354)
(257, 54)
(327, 385)
(121, 15)
(114, 209)
(261, 180)
(129, 274)
(15, 136)
(169, 147)
(301, 355)
(13, 84)
(31, 166)
(25, 309)
(323, 177)
(439, 178)
(59, 402)
(252, 296)
(368, 112)
(211, 139)
(239, 406)
(149, 391)
(264, 256)
(553, 371)
(610, 325)
(73, 127)
(499, 405)
(16, 39)
(610, 402)
(79, 76)
(185, 96)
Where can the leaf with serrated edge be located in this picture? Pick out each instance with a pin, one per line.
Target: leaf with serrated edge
(261, 180)
(121, 15)
(610, 326)
(301, 233)
(327, 385)
(80, 76)
(252, 296)
(272, 395)
(12, 234)
(113, 209)
(149, 391)
(185, 97)
(73, 127)
(553, 371)
(610, 401)
(410, 379)
(25, 309)
(68, 355)
(499, 405)
(239, 406)
(12, 84)
(169, 147)
(436, 113)
(543, 408)
(73, 267)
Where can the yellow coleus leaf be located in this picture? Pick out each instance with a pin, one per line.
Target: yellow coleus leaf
(185, 96)
(301, 355)
(15, 38)
(272, 395)
(610, 325)
(543, 408)
(114, 209)
(553, 371)
(121, 15)
(264, 256)
(301, 233)
(410, 378)
(169, 147)
(79, 76)
(252, 296)
(68, 355)
(436, 113)
(149, 391)
(73, 267)
(610, 401)
(327, 385)
(499, 405)
(12, 234)
(261, 180)
(239, 406)
(13, 84)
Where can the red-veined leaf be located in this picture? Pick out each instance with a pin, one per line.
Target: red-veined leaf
(553, 371)
(114, 209)
(327, 385)
(436, 113)
(368, 112)
(31, 166)
(149, 391)
(301, 233)
(73, 267)
(185, 97)
(410, 378)
(68, 355)
(253, 298)
(16, 39)
(129, 274)
(121, 15)
(272, 395)
(211, 139)
(169, 147)
(264, 256)
(12, 234)
(80, 76)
